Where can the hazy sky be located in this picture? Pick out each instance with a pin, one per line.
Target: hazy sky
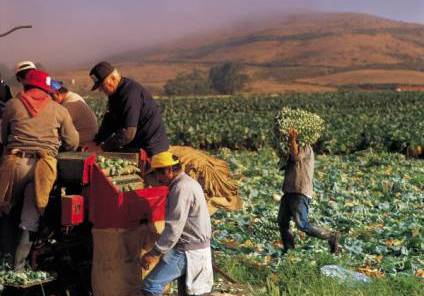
(76, 31)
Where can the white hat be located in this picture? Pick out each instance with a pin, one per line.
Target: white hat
(25, 65)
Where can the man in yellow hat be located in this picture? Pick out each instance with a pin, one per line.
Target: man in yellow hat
(185, 242)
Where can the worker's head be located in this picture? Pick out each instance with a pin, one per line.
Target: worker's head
(22, 68)
(166, 167)
(35, 78)
(59, 91)
(106, 78)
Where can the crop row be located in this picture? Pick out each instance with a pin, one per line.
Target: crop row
(385, 121)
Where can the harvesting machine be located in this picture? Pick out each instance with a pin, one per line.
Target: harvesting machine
(86, 197)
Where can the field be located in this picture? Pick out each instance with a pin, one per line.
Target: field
(375, 200)
(376, 77)
(367, 186)
(384, 121)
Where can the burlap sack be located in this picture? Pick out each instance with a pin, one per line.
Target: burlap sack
(214, 176)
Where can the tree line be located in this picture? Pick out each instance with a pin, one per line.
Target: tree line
(225, 78)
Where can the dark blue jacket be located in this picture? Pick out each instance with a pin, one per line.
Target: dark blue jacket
(132, 106)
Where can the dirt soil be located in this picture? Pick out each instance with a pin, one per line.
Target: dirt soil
(222, 288)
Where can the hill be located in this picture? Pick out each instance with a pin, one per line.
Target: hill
(292, 52)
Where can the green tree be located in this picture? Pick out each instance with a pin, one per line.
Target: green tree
(227, 78)
(193, 83)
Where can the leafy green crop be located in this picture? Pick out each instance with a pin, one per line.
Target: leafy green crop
(309, 127)
(373, 199)
(27, 277)
(385, 121)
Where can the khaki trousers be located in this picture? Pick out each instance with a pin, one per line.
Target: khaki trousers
(23, 189)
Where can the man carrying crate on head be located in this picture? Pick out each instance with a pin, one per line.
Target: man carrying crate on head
(184, 245)
(297, 188)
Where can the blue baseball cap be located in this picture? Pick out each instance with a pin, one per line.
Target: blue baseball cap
(56, 84)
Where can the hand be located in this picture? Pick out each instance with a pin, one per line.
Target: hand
(93, 147)
(292, 132)
(147, 260)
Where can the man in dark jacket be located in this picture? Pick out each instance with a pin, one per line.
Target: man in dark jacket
(133, 120)
(5, 94)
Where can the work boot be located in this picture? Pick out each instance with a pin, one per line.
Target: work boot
(22, 252)
(322, 233)
(288, 241)
(333, 242)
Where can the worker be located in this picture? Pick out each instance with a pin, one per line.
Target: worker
(33, 127)
(5, 93)
(133, 120)
(298, 189)
(184, 243)
(82, 115)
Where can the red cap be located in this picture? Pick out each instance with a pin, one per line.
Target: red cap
(39, 79)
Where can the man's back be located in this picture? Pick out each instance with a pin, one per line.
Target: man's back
(40, 133)
(83, 117)
(198, 224)
(299, 174)
(135, 107)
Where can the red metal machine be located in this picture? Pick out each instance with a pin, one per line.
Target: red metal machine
(72, 210)
(108, 207)
(91, 200)
(111, 208)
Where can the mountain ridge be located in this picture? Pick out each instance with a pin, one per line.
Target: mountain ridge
(289, 49)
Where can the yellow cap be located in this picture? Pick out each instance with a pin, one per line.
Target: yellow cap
(163, 159)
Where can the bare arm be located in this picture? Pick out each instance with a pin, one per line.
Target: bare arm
(293, 146)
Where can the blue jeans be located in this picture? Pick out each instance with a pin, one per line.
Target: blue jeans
(296, 206)
(172, 266)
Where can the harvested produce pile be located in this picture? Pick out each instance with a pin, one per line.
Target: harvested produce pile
(385, 121)
(117, 167)
(26, 278)
(23, 278)
(376, 200)
(124, 174)
(309, 127)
